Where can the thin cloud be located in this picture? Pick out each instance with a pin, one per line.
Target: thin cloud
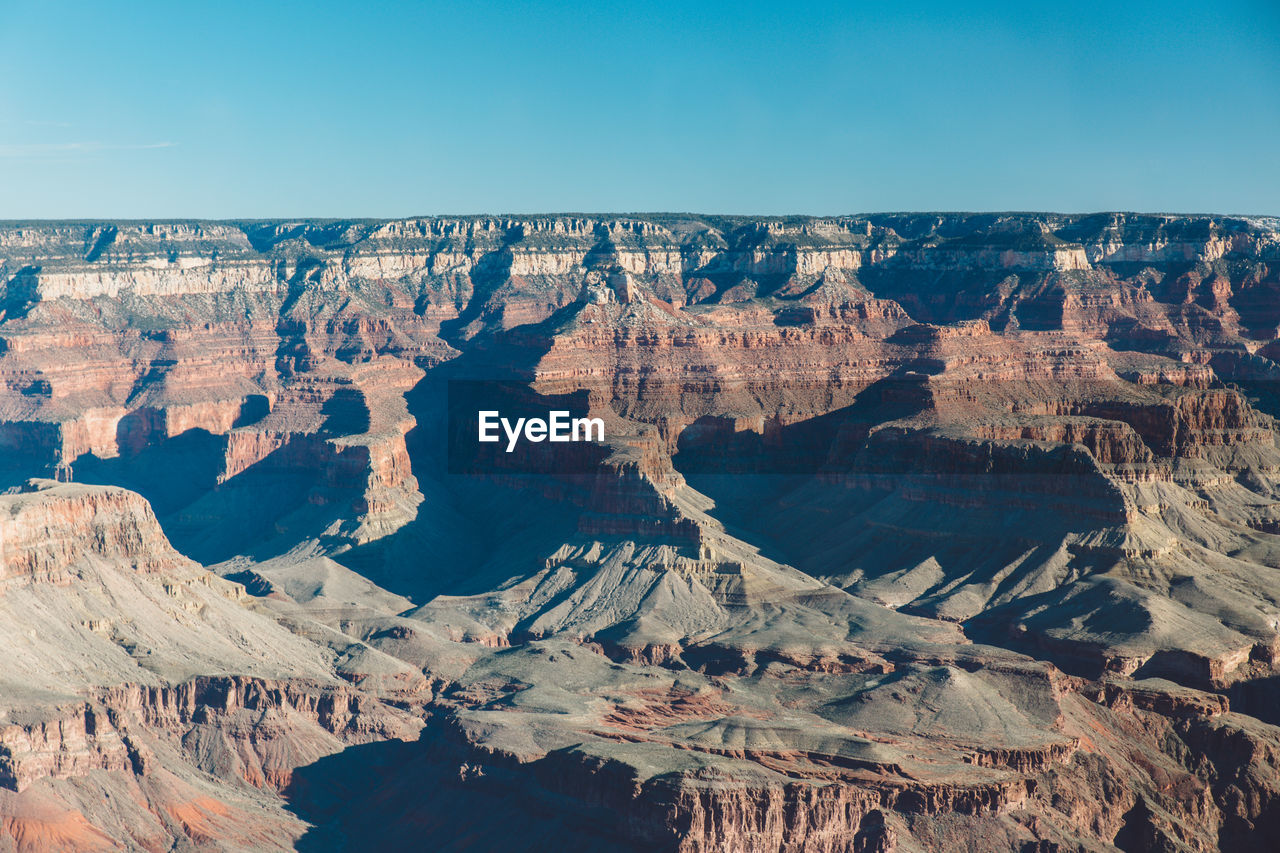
(48, 149)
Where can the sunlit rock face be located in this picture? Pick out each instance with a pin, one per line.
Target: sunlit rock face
(907, 532)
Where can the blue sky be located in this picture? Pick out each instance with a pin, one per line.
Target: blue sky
(277, 109)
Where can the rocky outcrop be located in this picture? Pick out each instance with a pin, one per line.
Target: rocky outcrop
(47, 531)
(137, 673)
(71, 741)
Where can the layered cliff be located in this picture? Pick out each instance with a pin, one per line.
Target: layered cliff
(136, 677)
(908, 531)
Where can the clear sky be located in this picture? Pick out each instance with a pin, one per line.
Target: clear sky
(371, 109)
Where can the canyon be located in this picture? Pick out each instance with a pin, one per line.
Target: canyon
(907, 532)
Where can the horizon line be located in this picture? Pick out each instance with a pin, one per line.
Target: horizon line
(71, 220)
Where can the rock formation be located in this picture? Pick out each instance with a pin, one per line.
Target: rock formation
(908, 532)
